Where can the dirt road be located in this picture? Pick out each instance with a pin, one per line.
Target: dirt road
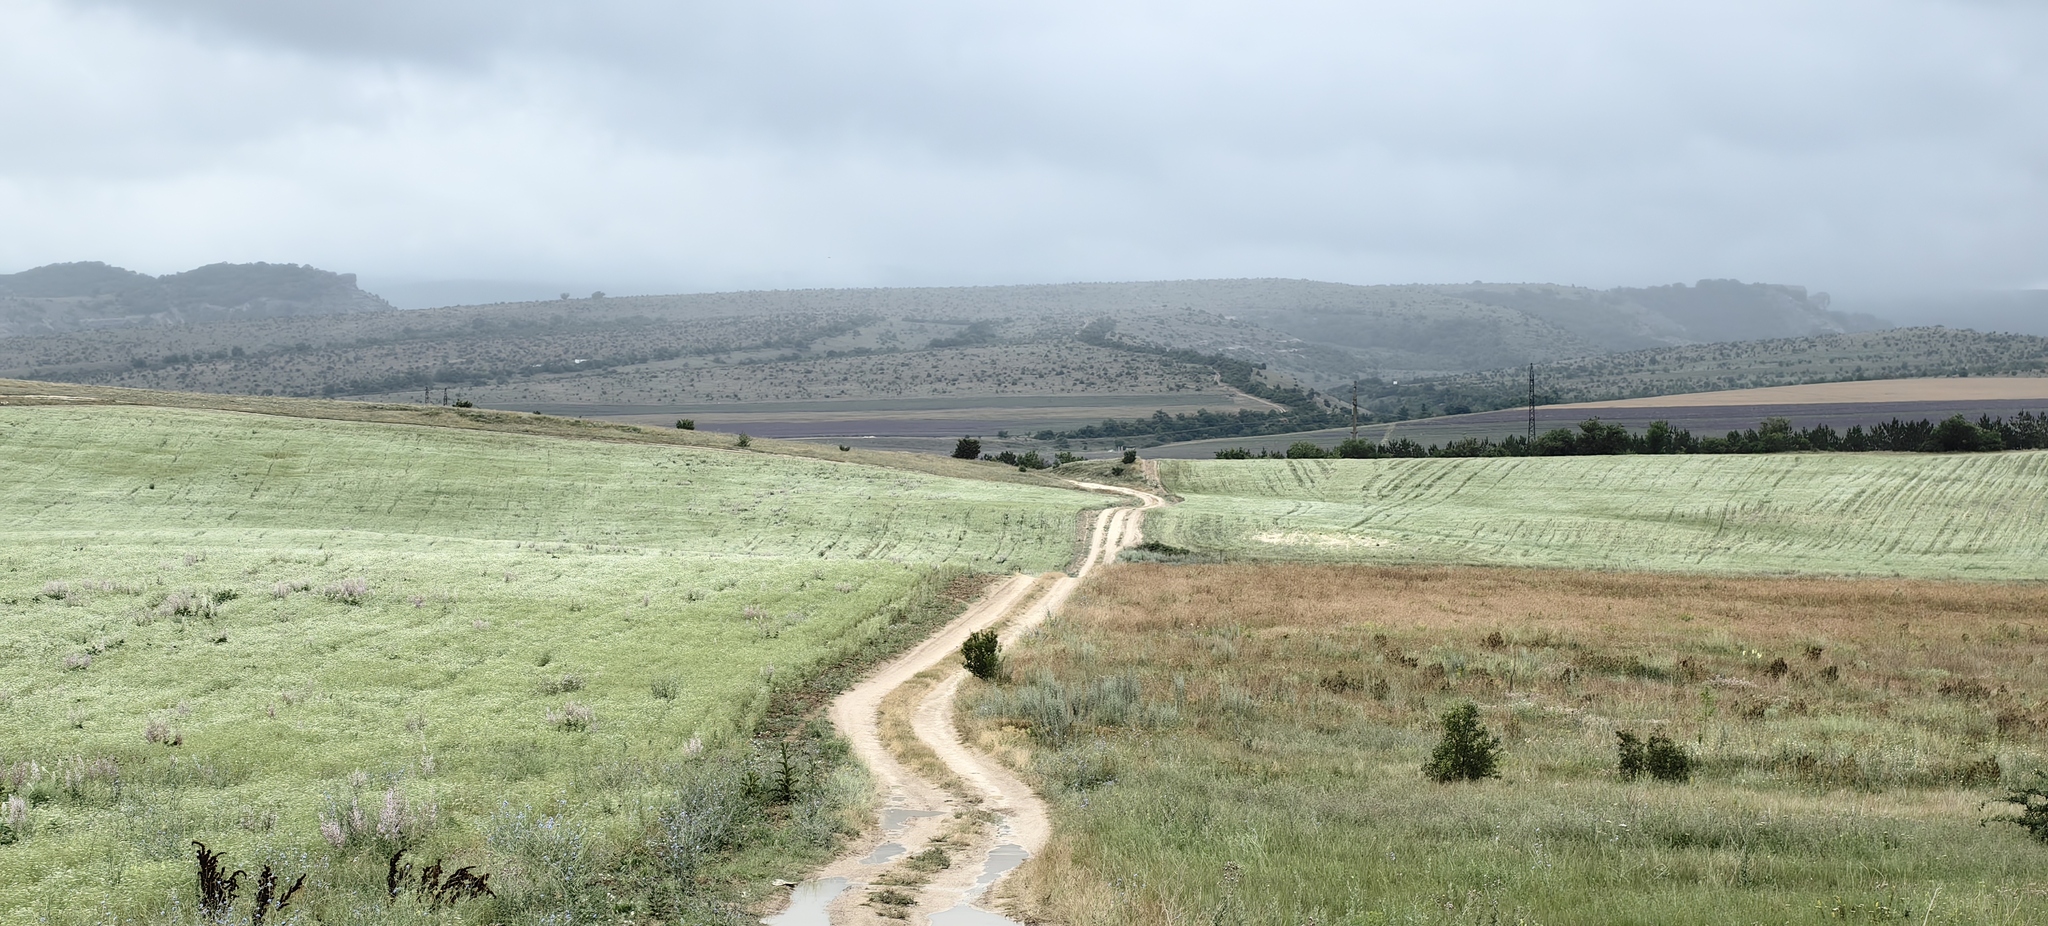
(986, 820)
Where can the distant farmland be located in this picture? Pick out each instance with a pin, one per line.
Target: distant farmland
(1977, 516)
(1838, 405)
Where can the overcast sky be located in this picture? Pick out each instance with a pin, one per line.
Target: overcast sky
(1863, 147)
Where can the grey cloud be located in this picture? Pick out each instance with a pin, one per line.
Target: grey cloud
(1847, 145)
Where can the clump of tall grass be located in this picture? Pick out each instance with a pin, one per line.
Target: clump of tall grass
(562, 685)
(13, 820)
(552, 863)
(352, 591)
(573, 717)
(1055, 712)
(188, 603)
(701, 819)
(394, 823)
(285, 589)
(162, 734)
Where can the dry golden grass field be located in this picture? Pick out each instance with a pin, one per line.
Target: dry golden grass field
(1243, 744)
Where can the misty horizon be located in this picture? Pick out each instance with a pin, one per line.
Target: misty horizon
(1882, 153)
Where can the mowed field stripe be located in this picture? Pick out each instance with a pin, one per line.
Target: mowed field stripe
(1981, 515)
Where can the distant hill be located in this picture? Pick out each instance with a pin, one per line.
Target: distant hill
(1413, 330)
(60, 298)
(1897, 353)
(299, 331)
(925, 361)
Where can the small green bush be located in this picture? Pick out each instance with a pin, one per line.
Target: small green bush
(983, 653)
(686, 424)
(1660, 758)
(1632, 757)
(1468, 752)
(967, 449)
(2033, 807)
(744, 441)
(1130, 457)
(1668, 761)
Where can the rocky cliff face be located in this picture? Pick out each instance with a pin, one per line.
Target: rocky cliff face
(71, 297)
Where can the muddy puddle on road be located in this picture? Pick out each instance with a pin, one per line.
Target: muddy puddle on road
(808, 900)
(807, 903)
(1001, 860)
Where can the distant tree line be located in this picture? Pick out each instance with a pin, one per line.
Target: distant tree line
(1303, 408)
(1593, 437)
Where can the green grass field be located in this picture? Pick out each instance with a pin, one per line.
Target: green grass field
(1977, 516)
(224, 626)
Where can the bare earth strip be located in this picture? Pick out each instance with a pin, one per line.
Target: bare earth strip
(917, 812)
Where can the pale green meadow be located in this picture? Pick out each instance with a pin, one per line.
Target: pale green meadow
(1962, 516)
(232, 627)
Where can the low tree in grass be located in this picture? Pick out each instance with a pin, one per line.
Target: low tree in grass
(1468, 752)
(1630, 756)
(1659, 758)
(1668, 761)
(1130, 457)
(686, 424)
(967, 449)
(983, 653)
(2032, 804)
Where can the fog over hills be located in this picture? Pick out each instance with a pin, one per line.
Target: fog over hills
(57, 298)
(1319, 332)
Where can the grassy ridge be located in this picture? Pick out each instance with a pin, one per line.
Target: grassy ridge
(1982, 516)
(317, 612)
(1237, 744)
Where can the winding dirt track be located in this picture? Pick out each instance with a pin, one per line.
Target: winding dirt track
(917, 810)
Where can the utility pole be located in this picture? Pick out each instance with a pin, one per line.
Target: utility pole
(1532, 405)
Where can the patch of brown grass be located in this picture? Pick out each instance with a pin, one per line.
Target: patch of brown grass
(1862, 724)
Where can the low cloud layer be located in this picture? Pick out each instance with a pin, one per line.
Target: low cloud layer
(1862, 147)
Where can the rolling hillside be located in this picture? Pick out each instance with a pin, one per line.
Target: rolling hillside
(309, 634)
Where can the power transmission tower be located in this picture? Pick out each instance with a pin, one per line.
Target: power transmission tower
(1532, 405)
(1354, 409)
